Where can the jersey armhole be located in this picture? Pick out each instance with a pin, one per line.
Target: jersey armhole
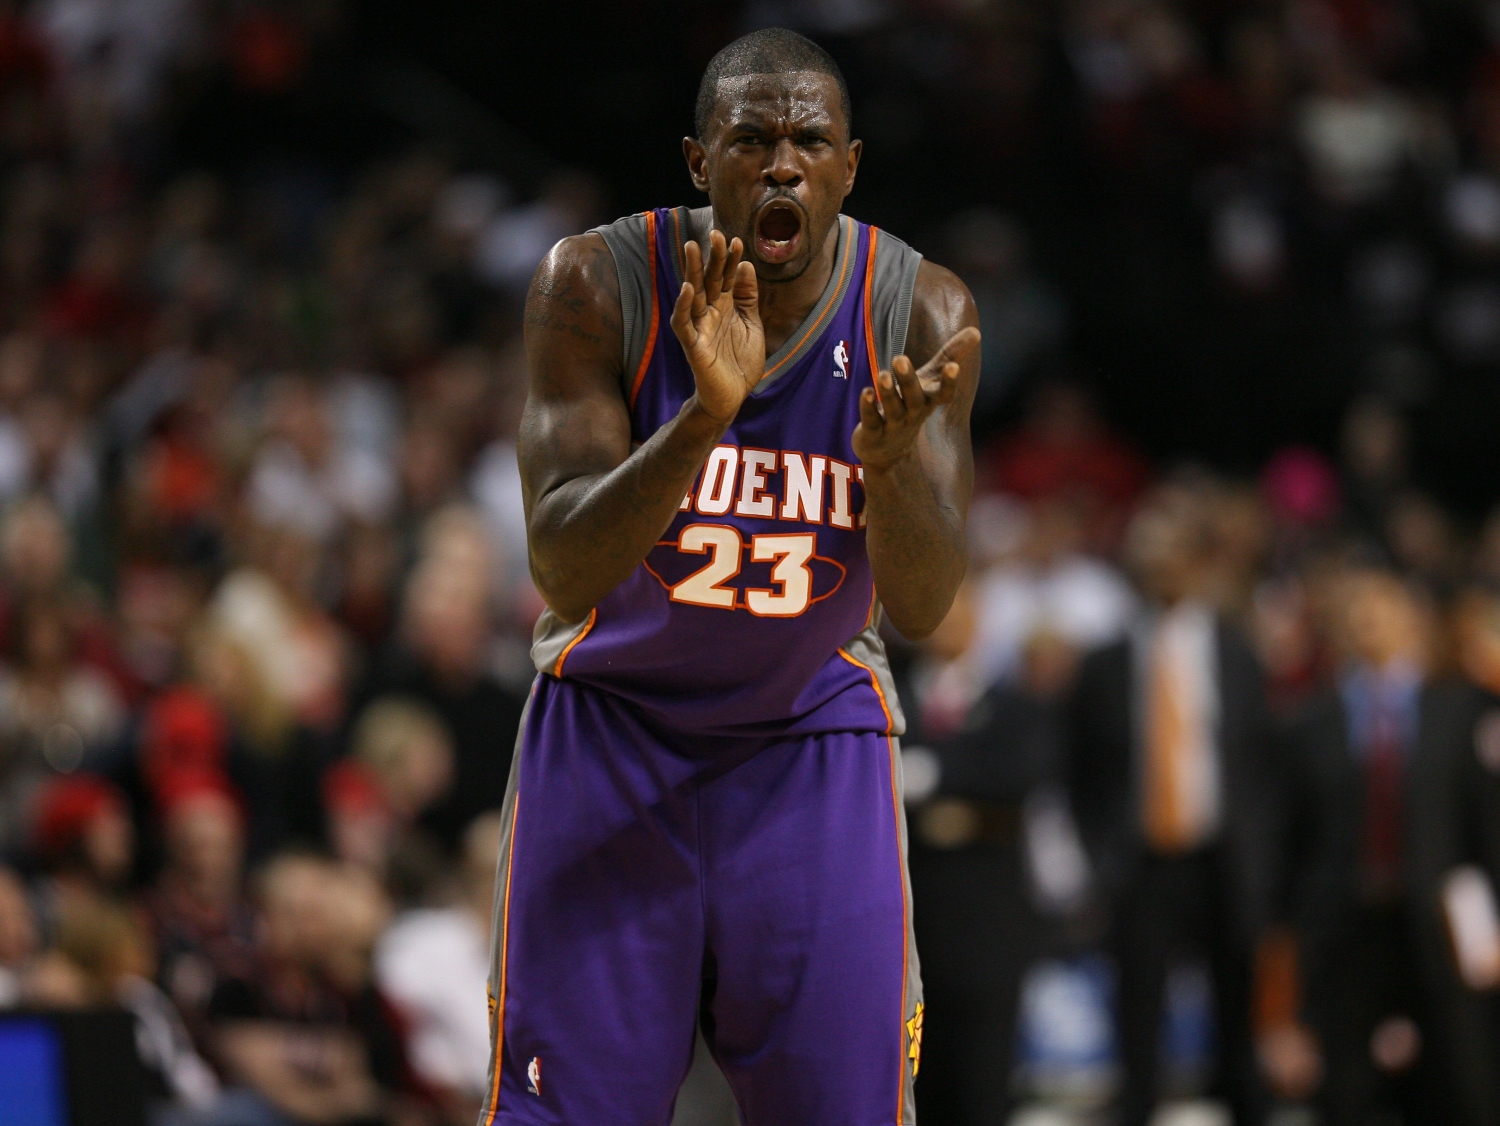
(892, 283)
(629, 244)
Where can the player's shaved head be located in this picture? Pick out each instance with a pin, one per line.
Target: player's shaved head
(774, 50)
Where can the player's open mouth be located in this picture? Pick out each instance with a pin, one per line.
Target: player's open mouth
(778, 234)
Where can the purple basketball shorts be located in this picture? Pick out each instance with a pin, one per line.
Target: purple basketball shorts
(645, 879)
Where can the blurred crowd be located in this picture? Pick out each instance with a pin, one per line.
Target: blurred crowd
(265, 611)
(1244, 726)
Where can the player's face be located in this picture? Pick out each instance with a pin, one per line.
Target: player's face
(777, 166)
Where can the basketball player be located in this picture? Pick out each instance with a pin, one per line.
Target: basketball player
(727, 453)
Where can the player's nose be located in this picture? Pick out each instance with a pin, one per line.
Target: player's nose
(783, 169)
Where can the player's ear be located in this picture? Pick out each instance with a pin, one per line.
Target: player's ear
(697, 162)
(852, 164)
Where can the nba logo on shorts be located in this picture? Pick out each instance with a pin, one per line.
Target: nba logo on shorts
(841, 359)
(534, 1075)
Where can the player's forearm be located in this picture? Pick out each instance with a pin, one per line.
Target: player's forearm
(916, 547)
(588, 534)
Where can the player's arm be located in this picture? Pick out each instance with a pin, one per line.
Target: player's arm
(594, 508)
(913, 442)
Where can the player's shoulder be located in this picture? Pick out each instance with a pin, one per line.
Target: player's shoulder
(941, 303)
(934, 288)
(578, 260)
(574, 301)
(940, 284)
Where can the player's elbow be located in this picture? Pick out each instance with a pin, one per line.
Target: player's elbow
(570, 611)
(915, 626)
(558, 593)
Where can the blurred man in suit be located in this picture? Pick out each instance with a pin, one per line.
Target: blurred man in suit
(1174, 795)
(992, 745)
(1384, 753)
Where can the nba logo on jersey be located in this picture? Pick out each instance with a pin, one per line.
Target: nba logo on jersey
(841, 359)
(534, 1075)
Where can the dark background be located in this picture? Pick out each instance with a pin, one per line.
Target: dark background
(959, 105)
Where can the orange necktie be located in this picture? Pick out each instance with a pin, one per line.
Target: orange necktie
(1166, 812)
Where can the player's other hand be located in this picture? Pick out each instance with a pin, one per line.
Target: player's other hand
(890, 422)
(717, 319)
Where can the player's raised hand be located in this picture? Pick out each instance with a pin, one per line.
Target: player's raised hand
(717, 320)
(890, 422)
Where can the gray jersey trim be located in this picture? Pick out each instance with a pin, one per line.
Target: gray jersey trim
(915, 1006)
(627, 242)
(551, 638)
(868, 649)
(500, 919)
(891, 287)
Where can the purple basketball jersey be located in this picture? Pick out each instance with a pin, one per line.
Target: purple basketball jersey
(756, 610)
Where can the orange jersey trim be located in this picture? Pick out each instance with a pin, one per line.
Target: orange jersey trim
(510, 863)
(879, 692)
(557, 669)
(640, 372)
(869, 315)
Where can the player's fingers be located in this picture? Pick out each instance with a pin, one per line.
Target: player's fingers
(682, 316)
(908, 384)
(713, 273)
(692, 261)
(959, 345)
(869, 411)
(940, 384)
(732, 263)
(947, 387)
(747, 291)
(890, 399)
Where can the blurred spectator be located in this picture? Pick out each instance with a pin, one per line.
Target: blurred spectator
(1301, 489)
(83, 836)
(306, 1033)
(304, 479)
(1046, 583)
(516, 240)
(401, 763)
(1357, 137)
(1175, 798)
(107, 947)
(54, 711)
(202, 925)
(1021, 317)
(19, 937)
(1065, 450)
(442, 657)
(990, 749)
(270, 611)
(433, 964)
(1375, 457)
(1377, 750)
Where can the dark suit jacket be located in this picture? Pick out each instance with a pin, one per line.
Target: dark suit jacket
(975, 925)
(1444, 826)
(1331, 805)
(1477, 832)
(1102, 752)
